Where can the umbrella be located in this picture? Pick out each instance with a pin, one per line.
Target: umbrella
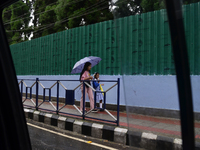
(78, 67)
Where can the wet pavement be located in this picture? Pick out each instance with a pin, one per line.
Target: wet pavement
(158, 125)
(43, 138)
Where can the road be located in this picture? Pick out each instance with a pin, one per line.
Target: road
(43, 138)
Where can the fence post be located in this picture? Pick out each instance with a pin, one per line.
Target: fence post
(31, 93)
(83, 100)
(57, 97)
(26, 92)
(95, 94)
(104, 105)
(22, 90)
(37, 88)
(118, 98)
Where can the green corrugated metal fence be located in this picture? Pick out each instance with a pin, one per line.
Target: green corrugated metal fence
(132, 45)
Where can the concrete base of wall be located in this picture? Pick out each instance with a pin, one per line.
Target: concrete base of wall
(158, 112)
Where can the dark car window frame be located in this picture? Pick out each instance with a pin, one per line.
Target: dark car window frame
(13, 128)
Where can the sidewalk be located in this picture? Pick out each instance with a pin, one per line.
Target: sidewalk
(160, 126)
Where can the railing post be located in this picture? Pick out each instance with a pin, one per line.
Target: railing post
(104, 105)
(26, 92)
(83, 100)
(57, 97)
(95, 95)
(49, 95)
(22, 90)
(31, 93)
(118, 100)
(37, 88)
(44, 93)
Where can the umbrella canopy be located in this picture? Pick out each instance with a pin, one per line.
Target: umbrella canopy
(78, 67)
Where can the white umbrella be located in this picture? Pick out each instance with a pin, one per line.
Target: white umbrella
(78, 67)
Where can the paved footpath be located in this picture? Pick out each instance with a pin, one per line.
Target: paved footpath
(134, 122)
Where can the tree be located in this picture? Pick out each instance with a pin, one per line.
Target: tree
(123, 8)
(99, 13)
(84, 12)
(51, 16)
(16, 19)
(152, 5)
(190, 1)
(7, 13)
(44, 17)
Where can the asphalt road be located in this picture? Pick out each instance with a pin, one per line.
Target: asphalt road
(46, 139)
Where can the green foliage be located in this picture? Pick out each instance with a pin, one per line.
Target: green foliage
(67, 14)
(152, 5)
(123, 8)
(43, 15)
(51, 16)
(190, 1)
(13, 22)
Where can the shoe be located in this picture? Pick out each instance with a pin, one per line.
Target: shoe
(95, 110)
(101, 110)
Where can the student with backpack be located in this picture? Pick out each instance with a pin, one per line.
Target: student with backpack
(96, 85)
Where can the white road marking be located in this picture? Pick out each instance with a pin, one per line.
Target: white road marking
(70, 137)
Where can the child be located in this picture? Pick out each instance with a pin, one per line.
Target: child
(85, 76)
(96, 85)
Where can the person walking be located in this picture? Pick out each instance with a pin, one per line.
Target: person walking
(85, 75)
(96, 85)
